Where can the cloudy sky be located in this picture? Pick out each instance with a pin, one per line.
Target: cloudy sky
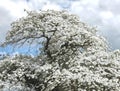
(105, 14)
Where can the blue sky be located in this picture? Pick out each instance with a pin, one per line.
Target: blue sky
(105, 14)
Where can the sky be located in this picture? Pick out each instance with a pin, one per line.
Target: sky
(105, 14)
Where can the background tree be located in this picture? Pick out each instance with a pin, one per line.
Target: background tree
(72, 58)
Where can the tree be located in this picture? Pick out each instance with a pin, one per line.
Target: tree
(72, 58)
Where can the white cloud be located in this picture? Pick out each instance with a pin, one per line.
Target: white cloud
(87, 11)
(106, 14)
(10, 11)
(103, 13)
(36, 4)
(111, 5)
(51, 6)
(16, 9)
(5, 20)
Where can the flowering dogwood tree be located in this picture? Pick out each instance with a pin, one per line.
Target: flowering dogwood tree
(72, 58)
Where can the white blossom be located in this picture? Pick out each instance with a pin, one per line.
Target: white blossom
(73, 58)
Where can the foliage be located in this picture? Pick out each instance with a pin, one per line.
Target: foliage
(73, 56)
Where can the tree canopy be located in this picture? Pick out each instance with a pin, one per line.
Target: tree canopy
(73, 56)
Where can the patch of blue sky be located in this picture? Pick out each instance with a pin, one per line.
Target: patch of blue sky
(25, 50)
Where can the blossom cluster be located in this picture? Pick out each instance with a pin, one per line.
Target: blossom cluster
(73, 58)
